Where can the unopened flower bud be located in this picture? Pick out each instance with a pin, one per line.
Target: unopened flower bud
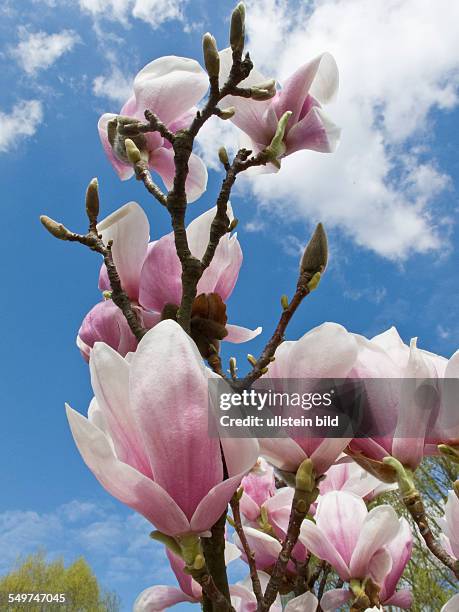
(92, 200)
(251, 359)
(233, 366)
(227, 113)
(237, 30)
(277, 146)
(223, 156)
(132, 151)
(56, 229)
(199, 562)
(305, 477)
(211, 57)
(404, 476)
(284, 302)
(315, 256)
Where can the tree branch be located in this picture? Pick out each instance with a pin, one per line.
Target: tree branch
(245, 545)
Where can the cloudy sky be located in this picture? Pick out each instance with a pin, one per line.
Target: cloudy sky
(388, 198)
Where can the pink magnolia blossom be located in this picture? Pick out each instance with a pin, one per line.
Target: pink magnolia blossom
(161, 597)
(303, 93)
(327, 351)
(402, 415)
(150, 273)
(259, 485)
(452, 605)
(353, 540)
(170, 87)
(146, 436)
(265, 547)
(399, 549)
(243, 599)
(450, 525)
(349, 476)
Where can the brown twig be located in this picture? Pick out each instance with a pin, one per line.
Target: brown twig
(218, 601)
(245, 545)
(302, 290)
(305, 494)
(415, 507)
(143, 174)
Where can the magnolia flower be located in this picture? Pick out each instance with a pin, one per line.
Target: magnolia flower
(162, 597)
(327, 351)
(403, 411)
(349, 476)
(399, 549)
(150, 273)
(146, 436)
(350, 538)
(452, 605)
(169, 87)
(450, 525)
(258, 486)
(243, 599)
(313, 84)
(265, 547)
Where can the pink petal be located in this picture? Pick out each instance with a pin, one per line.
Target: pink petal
(326, 453)
(159, 599)
(265, 547)
(400, 549)
(401, 599)
(110, 382)
(340, 516)
(129, 230)
(124, 482)
(237, 334)
(284, 453)
(317, 542)
(322, 69)
(250, 115)
(106, 323)
(304, 603)
(249, 508)
(333, 600)
(380, 565)
(315, 132)
(168, 389)
(169, 86)
(162, 161)
(186, 582)
(124, 171)
(379, 528)
(160, 280)
(452, 605)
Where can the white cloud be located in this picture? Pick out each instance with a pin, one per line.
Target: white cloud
(153, 12)
(22, 121)
(114, 86)
(39, 50)
(399, 61)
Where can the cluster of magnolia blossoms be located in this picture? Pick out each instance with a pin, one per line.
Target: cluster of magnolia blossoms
(146, 437)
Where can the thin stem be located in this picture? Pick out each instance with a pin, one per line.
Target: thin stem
(245, 545)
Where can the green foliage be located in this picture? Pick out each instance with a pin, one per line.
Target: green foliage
(77, 581)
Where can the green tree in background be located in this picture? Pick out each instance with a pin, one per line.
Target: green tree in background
(37, 575)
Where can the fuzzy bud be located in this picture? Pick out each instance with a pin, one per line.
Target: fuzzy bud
(233, 224)
(237, 30)
(56, 229)
(305, 477)
(251, 359)
(314, 282)
(211, 57)
(263, 91)
(315, 256)
(223, 156)
(92, 200)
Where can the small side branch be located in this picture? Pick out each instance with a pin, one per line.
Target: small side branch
(245, 545)
(415, 507)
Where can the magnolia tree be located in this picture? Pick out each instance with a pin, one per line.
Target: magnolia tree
(303, 512)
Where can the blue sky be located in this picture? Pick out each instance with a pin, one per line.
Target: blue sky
(388, 199)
